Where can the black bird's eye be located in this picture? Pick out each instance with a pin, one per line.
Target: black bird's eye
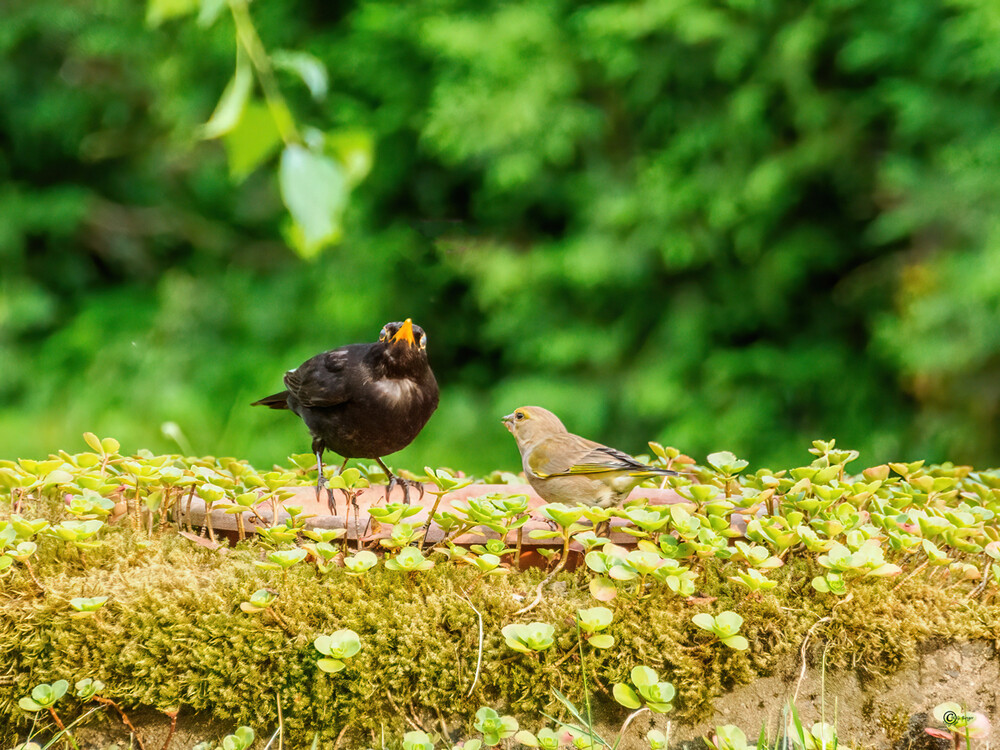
(519, 415)
(423, 340)
(383, 334)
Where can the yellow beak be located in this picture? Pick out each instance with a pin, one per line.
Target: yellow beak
(405, 333)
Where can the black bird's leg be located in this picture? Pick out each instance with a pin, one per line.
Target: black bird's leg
(393, 481)
(347, 493)
(320, 479)
(318, 449)
(404, 483)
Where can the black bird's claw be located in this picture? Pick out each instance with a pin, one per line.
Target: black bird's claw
(330, 502)
(421, 486)
(395, 481)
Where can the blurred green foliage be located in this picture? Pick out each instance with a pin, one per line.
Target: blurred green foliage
(721, 225)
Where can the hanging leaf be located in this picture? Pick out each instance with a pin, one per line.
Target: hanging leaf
(158, 11)
(232, 102)
(315, 192)
(355, 150)
(251, 142)
(209, 11)
(309, 68)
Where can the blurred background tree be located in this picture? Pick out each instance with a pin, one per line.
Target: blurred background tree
(720, 225)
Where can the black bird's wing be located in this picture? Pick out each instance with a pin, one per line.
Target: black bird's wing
(321, 381)
(275, 401)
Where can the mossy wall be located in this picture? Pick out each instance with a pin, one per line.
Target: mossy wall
(172, 634)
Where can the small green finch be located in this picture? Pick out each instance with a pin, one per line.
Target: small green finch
(566, 468)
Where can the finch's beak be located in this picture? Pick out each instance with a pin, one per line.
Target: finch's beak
(508, 422)
(405, 333)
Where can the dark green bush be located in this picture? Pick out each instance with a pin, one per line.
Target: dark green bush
(734, 224)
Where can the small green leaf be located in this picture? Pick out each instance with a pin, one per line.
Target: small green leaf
(87, 604)
(643, 676)
(88, 687)
(737, 642)
(603, 589)
(526, 738)
(626, 696)
(728, 622)
(704, 621)
(543, 534)
(594, 619)
(59, 688)
(417, 740)
(245, 735)
(530, 637)
(886, 569)
(29, 705)
(726, 462)
(359, 563)
(58, 477)
(623, 573)
(330, 665)
(262, 598)
(602, 640)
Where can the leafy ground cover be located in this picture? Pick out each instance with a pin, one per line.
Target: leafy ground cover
(106, 606)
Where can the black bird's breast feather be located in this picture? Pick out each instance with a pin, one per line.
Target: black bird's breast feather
(359, 404)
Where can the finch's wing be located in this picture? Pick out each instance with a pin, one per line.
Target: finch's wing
(568, 455)
(603, 458)
(320, 381)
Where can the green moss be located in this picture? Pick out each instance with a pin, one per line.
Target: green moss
(895, 723)
(172, 634)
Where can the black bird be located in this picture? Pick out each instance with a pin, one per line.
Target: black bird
(364, 400)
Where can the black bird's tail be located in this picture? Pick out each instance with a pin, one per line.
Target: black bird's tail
(275, 401)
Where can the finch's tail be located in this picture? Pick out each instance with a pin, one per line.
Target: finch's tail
(275, 401)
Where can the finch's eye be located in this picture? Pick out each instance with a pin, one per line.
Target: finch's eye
(423, 340)
(383, 334)
(519, 415)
